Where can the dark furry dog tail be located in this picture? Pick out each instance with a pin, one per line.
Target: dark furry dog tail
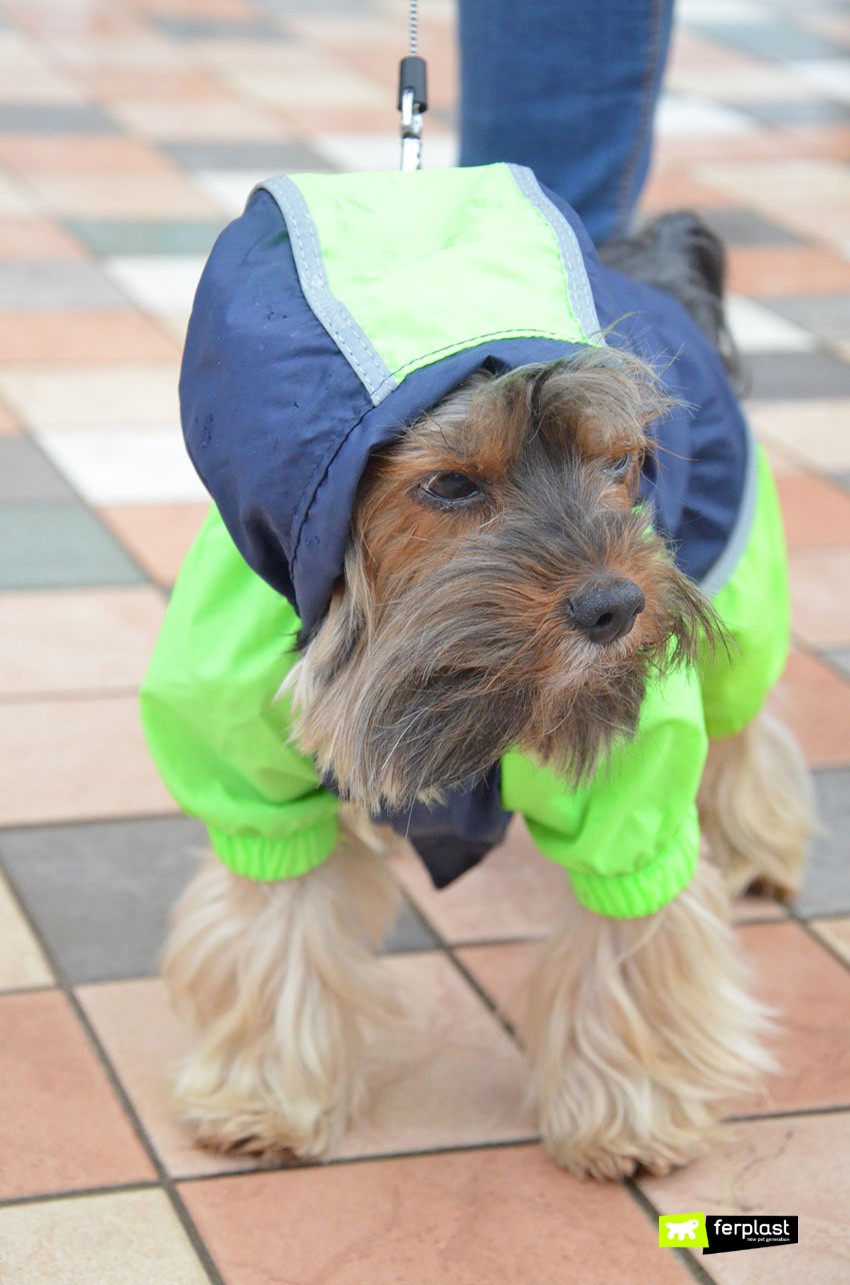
(679, 253)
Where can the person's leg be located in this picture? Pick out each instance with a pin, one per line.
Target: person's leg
(567, 87)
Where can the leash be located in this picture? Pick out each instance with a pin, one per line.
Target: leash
(412, 97)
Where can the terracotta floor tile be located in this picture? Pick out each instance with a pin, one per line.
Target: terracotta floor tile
(811, 993)
(504, 1217)
(76, 641)
(790, 1166)
(446, 1076)
(815, 704)
(813, 432)
(515, 892)
(503, 971)
(836, 932)
(78, 153)
(820, 601)
(157, 535)
(144, 1042)
(36, 238)
(21, 960)
(80, 336)
(130, 1236)
(60, 1125)
(766, 271)
(93, 395)
(815, 512)
(666, 189)
(76, 760)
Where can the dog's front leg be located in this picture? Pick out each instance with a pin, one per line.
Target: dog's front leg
(277, 980)
(641, 1033)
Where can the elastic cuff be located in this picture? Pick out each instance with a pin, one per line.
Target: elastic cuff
(646, 890)
(257, 857)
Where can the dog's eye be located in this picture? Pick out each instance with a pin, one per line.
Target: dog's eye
(451, 487)
(620, 466)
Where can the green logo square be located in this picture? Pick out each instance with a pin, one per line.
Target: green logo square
(682, 1231)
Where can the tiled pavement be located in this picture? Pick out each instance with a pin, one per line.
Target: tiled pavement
(130, 131)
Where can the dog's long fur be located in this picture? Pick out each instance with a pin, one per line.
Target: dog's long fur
(447, 642)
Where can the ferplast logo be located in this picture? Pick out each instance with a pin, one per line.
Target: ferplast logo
(725, 1233)
(682, 1230)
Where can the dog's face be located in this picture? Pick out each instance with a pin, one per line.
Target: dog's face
(501, 589)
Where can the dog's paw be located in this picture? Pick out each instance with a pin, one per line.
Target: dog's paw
(261, 1131)
(614, 1158)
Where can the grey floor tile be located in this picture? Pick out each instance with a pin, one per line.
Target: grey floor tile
(196, 28)
(409, 933)
(146, 236)
(56, 284)
(771, 39)
(55, 118)
(57, 544)
(100, 894)
(259, 154)
(841, 659)
(26, 474)
(797, 111)
(828, 315)
(739, 226)
(785, 376)
(826, 885)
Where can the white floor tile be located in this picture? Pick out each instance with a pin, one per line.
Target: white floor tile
(682, 117)
(758, 329)
(157, 282)
(829, 75)
(382, 151)
(127, 466)
(229, 189)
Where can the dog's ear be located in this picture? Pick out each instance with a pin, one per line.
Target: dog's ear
(332, 643)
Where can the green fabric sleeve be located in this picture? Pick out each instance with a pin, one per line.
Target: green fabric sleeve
(755, 607)
(629, 839)
(214, 728)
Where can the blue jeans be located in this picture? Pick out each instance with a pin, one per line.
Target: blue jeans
(567, 87)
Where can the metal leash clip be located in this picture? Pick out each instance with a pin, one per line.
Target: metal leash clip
(412, 102)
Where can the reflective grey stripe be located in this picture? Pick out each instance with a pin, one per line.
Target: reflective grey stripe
(578, 286)
(352, 341)
(718, 575)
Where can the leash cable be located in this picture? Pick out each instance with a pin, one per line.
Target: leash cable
(412, 96)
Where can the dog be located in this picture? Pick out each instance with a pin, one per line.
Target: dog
(503, 598)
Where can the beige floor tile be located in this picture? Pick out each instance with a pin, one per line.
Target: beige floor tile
(224, 116)
(77, 640)
(796, 1166)
(515, 892)
(92, 396)
(158, 536)
(820, 602)
(494, 1217)
(836, 932)
(76, 760)
(814, 433)
(118, 194)
(127, 1238)
(61, 1126)
(449, 1074)
(21, 961)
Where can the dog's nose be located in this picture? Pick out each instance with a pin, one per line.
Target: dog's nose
(606, 610)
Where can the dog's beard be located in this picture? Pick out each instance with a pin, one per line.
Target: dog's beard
(474, 659)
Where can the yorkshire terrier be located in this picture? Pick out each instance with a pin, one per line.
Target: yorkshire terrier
(503, 590)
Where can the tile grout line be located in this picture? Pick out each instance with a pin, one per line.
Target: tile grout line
(688, 1261)
(165, 1182)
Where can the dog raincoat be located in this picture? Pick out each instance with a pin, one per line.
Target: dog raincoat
(329, 316)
